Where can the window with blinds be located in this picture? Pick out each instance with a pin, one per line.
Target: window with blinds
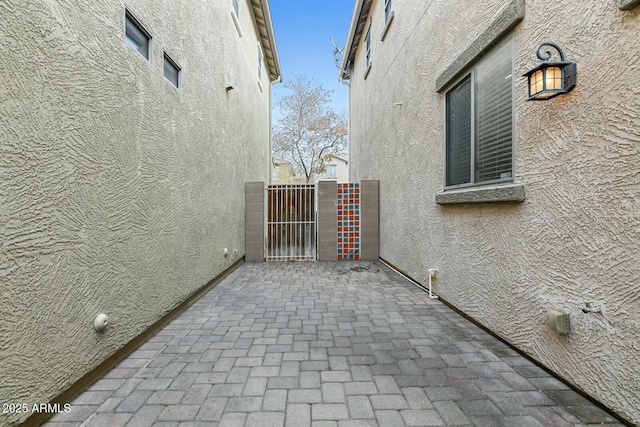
(479, 111)
(459, 133)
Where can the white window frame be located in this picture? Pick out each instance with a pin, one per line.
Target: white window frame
(132, 23)
(388, 17)
(472, 75)
(332, 171)
(260, 58)
(388, 11)
(235, 15)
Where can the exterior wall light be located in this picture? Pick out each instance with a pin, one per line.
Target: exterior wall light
(551, 78)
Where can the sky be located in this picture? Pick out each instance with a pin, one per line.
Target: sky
(303, 29)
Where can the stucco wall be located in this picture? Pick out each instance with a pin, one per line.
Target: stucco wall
(118, 192)
(576, 236)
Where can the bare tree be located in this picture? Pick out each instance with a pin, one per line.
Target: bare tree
(308, 129)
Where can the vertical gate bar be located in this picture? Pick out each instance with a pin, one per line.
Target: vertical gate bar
(312, 228)
(300, 238)
(315, 222)
(301, 224)
(275, 222)
(283, 213)
(271, 212)
(294, 251)
(274, 227)
(279, 214)
(272, 202)
(309, 229)
(285, 219)
(269, 222)
(290, 201)
(298, 231)
(294, 247)
(274, 217)
(306, 224)
(298, 214)
(274, 248)
(294, 226)
(303, 227)
(265, 213)
(309, 226)
(267, 226)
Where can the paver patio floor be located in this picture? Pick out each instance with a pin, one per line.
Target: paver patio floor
(326, 344)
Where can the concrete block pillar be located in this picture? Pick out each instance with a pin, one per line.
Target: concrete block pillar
(254, 221)
(369, 220)
(327, 221)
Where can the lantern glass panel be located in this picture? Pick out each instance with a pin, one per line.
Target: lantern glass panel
(553, 78)
(536, 82)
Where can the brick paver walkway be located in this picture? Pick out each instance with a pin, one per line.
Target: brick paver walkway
(325, 344)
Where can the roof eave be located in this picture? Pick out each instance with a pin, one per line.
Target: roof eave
(360, 14)
(262, 18)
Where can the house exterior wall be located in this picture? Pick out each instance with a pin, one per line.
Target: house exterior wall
(342, 169)
(119, 192)
(283, 173)
(575, 237)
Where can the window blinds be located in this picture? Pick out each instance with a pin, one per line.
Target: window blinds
(459, 133)
(493, 111)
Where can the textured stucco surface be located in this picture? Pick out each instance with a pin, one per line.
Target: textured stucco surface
(576, 237)
(118, 192)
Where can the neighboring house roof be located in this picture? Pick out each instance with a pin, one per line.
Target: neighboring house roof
(262, 16)
(358, 22)
(277, 161)
(342, 157)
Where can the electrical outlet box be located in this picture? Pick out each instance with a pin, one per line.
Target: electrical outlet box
(559, 321)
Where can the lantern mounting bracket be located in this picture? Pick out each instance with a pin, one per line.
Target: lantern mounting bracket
(547, 53)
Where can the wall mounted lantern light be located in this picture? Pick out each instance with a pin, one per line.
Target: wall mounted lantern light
(551, 78)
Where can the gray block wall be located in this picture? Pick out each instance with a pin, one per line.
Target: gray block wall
(254, 221)
(327, 221)
(369, 220)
